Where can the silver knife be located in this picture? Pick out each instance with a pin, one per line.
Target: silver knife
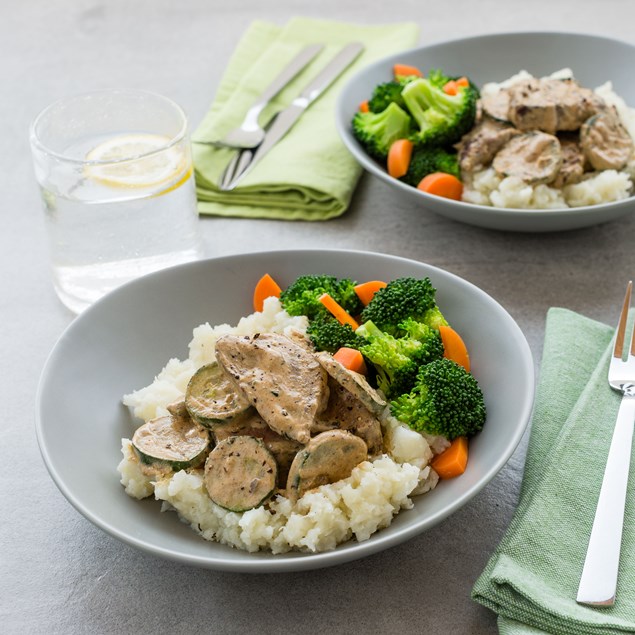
(287, 118)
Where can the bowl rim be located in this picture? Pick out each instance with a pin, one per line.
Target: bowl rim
(291, 561)
(342, 124)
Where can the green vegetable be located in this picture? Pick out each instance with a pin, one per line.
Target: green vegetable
(327, 458)
(211, 397)
(327, 334)
(177, 443)
(398, 359)
(240, 473)
(384, 95)
(429, 160)
(401, 299)
(442, 119)
(377, 131)
(388, 93)
(438, 78)
(302, 296)
(446, 400)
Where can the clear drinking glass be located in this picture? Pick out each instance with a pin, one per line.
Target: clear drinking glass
(115, 172)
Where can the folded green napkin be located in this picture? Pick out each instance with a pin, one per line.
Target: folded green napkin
(309, 174)
(532, 579)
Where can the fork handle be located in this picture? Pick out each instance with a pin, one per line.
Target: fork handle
(599, 575)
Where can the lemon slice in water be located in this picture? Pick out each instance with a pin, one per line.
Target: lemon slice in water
(127, 161)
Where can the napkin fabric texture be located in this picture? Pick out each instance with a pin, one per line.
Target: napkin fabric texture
(309, 174)
(532, 579)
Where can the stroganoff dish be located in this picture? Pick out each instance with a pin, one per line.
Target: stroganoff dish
(272, 435)
(525, 143)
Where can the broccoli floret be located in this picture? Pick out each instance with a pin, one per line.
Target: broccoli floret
(446, 400)
(401, 299)
(438, 78)
(442, 119)
(388, 93)
(327, 334)
(377, 131)
(302, 296)
(397, 359)
(428, 160)
(384, 95)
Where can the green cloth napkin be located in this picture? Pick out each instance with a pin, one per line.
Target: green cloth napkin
(532, 579)
(309, 174)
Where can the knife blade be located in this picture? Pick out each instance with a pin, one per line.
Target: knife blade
(286, 119)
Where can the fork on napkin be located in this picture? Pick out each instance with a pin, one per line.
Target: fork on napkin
(532, 579)
(309, 175)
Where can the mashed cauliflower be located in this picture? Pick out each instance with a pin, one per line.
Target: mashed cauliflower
(488, 188)
(354, 507)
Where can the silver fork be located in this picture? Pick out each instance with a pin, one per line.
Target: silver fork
(250, 133)
(239, 161)
(599, 575)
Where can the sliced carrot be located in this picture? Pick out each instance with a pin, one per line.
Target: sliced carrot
(399, 157)
(405, 70)
(351, 359)
(338, 312)
(265, 288)
(454, 347)
(366, 290)
(452, 87)
(442, 184)
(453, 461)
(363, 107)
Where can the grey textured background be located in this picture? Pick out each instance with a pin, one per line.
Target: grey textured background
(58, 573)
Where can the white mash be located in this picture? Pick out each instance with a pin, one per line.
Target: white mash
(354, 507)
(488, 188)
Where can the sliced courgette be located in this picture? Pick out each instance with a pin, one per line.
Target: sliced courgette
(211, 397)
(251, 424)
(175, 442)
(240, 473)
(328, 457)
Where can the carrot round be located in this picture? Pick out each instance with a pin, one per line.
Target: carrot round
(454, 347)
(265, 288)
(399, 157)
(452, 87)
(338, 312)
(351, 359)
(366, 290)
(453, 461)
(405, 70)
(363, 107)
(442, 184)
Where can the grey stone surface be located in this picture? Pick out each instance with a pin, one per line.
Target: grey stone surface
(58, 573)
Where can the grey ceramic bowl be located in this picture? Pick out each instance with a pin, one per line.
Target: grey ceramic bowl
(594, 60)
(123, 341)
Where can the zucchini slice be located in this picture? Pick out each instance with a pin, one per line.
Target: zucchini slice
(211, 397)
(251, 424)
(328, 457)
(174, 442)
(240, 473)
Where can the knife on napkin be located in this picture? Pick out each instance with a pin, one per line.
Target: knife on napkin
(285, 120)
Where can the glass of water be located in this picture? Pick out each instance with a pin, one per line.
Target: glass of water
(116, 178)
